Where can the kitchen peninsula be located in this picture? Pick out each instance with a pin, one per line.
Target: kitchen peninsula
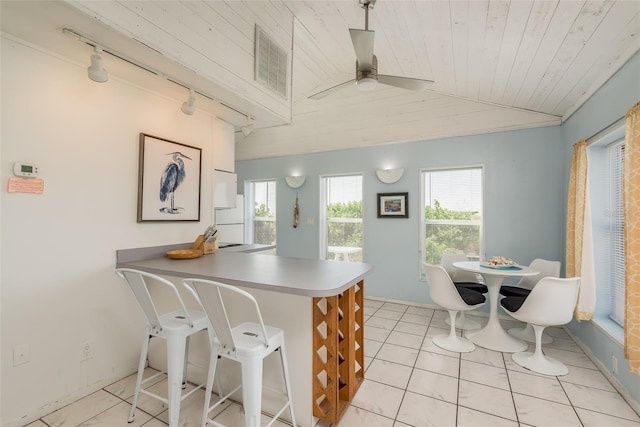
(318, 303)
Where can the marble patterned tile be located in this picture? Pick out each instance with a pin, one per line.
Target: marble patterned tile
(471, 418)
(36, 423)
(369, 311)
(547, 388)
(404, 339)
(484, 374)
(389, 314)
(513, 366)
(126, 387)
(232, 415)
(376, 334)
(422, 411)
(487, 399)
(371, 348)
(411, 328)
(428, 345)
(540, 412)
(598, 419)
(397, 354)
(569, 358)
(420, 311)
(389, 373)
(395, 306)
(557, 332)
(380, 322)
(438, 363)
(357, 417)
(594, 399)
(379, 398)
(587, 377)
(373, 303)
(562, 344)
(434, 331)
(117, 416)
(416, 318)
(432, 384)
(81, 410)
(485, 356)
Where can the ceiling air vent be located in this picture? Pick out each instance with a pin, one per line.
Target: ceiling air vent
(271, 63)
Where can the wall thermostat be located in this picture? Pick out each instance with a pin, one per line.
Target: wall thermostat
(25, 170)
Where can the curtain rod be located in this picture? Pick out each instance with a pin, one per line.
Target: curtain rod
(605, 130)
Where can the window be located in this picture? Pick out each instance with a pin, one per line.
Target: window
(341, 218)
(606, 162)
(616, 230)
(452, 213)
(261, 198)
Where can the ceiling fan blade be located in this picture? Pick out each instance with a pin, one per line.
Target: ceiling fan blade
(405, 82)
(363, 45)
(332, 89)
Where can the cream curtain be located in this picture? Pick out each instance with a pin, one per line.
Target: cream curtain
(631, 191)
(579, 251)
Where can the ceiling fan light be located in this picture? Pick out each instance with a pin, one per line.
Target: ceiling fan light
(366, 84)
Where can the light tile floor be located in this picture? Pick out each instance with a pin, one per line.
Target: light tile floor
(411, 382)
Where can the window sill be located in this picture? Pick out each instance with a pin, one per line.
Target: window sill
(611, 328)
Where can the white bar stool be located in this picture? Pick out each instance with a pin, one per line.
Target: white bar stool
(248, 343)
(175, 327)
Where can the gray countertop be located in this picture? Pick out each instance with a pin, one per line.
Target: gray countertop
(298, 276)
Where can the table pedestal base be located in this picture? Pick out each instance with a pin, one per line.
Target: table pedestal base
(493, 337)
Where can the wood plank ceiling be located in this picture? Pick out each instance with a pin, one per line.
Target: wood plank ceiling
(497, 65)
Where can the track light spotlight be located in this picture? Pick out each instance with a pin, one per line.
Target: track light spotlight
(96, 72)
(189, 106)
(246, 130)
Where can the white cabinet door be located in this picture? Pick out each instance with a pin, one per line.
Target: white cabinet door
(224, 155)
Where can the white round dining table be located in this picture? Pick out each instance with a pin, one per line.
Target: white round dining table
(492, 335)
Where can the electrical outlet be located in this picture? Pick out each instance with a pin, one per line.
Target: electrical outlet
(20, 354)
(86, 350)
(614, 365)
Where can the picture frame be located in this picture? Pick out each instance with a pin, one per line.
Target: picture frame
(169, 180)
(393, 205)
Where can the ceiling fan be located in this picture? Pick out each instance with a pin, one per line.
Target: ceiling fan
(367, 77)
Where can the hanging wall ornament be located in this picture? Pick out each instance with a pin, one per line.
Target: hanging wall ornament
(296, 213)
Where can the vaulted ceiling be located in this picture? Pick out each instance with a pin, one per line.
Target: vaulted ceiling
(496, 64)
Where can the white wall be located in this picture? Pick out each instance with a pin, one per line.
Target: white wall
(58, 249)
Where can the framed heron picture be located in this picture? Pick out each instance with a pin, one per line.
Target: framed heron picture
(168, 180)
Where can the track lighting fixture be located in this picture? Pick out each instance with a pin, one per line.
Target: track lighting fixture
(189, 106)
(248, 128)
(96, 72)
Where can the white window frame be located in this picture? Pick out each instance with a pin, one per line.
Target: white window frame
(423, 223)
(249, 209)
(324, 221)
(600, 195)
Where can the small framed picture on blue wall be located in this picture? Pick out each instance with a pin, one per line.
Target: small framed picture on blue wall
(393, 205)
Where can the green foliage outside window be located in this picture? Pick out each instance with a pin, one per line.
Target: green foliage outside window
(345, 233)
(264, 232)
(445, 237)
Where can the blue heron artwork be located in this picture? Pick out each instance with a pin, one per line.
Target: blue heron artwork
(171, 179)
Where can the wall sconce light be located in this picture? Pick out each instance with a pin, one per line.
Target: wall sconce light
(189, 106)
(96, 71)
(295, 181)
(389, 176)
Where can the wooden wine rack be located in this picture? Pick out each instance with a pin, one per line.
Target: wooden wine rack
(338, 352)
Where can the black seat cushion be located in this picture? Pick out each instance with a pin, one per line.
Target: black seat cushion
(470, 297)
(514, 291)
(474, 286)
(512, 304)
